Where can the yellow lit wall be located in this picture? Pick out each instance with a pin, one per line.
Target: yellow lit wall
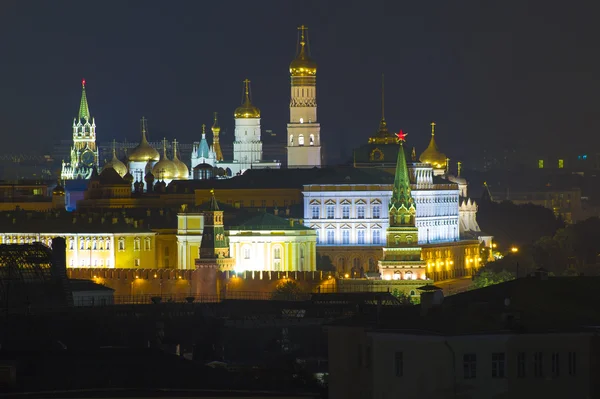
(452, 260)
(166, 249)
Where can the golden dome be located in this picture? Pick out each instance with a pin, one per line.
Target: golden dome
(144, 152)
(116, 164)
(216, 129)
(303, 65)
(183, 173)
(247, 109)
(432, 155)
(165, 169)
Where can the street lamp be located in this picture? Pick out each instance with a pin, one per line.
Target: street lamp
(514, 250)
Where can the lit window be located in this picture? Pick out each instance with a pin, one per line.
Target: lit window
(330, 236)
(345, 212)
(291, 139)
(561, 163)
(121, 244)
(469, 365)
(71, 244)
(136, 262)
(146, 244)
(376, 212)
(376, 236)
(315, 212)
(541, 164)
(312, 139)
(301, 120)
(81, 243)
(345, 236)
(360, 211)
(246, 253)
(498, 365)
(277, 253)
(300, 140)
(95, 245)
(361, 236)
(136, 244)
(107, 245)
(396, 276)
(330, 211)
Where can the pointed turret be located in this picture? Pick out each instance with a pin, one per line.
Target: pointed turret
(84, 109)
(214, 243)
(203, 149)
(216, 130)
(402, 206)
(382, 136)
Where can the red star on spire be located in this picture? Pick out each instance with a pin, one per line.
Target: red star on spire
(83, 82)
(401, 136)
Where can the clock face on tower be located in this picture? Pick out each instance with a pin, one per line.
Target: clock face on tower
(87, 158)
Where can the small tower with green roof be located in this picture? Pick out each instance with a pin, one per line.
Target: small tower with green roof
(402, 254)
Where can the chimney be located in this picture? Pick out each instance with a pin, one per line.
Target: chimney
(431, 297)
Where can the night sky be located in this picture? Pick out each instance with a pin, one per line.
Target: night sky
(489, 73)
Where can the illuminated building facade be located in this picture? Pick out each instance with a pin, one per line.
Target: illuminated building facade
(304, 132)
(84, 154)
(265, 242)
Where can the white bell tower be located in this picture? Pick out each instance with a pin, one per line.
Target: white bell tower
(304, 132)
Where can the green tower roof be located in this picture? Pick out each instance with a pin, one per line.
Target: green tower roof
(84, 109)
(402, 201)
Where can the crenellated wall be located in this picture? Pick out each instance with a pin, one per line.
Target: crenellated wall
(209, 282)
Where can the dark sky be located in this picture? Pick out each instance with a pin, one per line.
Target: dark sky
(490, 73)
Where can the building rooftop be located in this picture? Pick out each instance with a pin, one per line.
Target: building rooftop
(526, 305)
(97, 221)
(87, 285)
(264, 221)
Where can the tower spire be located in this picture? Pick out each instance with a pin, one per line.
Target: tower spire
(203, 131)
(247, 91)
(84, 109)
(216, 129)
(432, 129)
(144, 128)
(402, 208)
(382, 97)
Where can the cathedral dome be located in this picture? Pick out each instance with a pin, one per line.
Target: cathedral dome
(144, 152)
(116, 164)
(247, 109)
(302, 64)
(183, 172)
(432, 155)
(165, 169)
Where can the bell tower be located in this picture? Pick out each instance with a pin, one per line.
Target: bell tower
(304, 132)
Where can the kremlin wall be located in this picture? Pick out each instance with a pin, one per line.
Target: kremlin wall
(152, 223)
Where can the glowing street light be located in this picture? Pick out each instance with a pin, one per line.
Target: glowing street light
(514, 250)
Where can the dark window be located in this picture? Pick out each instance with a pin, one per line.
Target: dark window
(360, 355)
(399, 364)
(538, 362)
(498, 365)
(572, 363)
(555, 364)
(470, 365)
(521, 364)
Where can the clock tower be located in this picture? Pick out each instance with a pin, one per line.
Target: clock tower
(84, 153)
